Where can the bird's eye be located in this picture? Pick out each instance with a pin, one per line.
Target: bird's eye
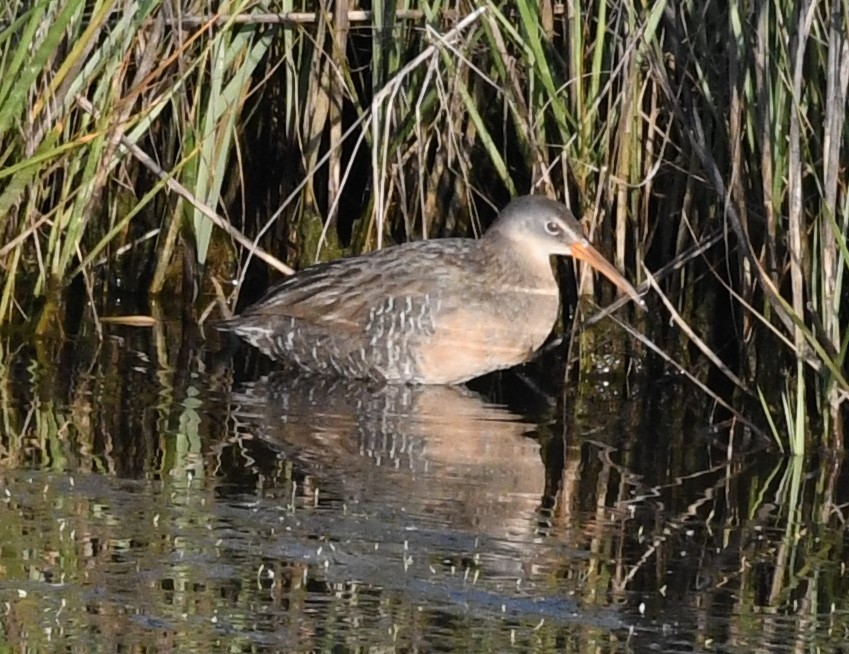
(553, 228)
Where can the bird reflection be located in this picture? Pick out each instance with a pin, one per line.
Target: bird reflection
(440, 453)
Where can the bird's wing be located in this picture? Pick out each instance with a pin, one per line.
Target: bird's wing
(340, 294)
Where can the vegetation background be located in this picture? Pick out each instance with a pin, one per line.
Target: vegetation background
(161, 145)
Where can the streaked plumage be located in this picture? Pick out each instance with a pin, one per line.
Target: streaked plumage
(429, 312)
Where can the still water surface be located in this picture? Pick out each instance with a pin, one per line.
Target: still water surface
(158, 497)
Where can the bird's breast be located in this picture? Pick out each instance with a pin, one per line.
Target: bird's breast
(485, 333)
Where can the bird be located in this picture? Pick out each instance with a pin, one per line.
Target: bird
(440, 311)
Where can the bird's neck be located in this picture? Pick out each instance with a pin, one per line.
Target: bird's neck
(514, 261)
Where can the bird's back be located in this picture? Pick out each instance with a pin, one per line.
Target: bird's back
(367, 316)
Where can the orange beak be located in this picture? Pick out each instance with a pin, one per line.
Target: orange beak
(586, 252)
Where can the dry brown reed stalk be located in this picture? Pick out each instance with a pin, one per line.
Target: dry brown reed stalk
(183, 192)
(378, 128)
(684, 370)
(295, 18)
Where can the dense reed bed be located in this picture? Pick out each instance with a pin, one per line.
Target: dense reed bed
(147, 147)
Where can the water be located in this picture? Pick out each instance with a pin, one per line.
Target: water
(155, 496)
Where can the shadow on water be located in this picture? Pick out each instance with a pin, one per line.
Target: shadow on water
(157, 496)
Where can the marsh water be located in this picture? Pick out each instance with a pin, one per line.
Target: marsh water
(160, 494)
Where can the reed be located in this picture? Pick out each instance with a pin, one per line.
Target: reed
(313, 129)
